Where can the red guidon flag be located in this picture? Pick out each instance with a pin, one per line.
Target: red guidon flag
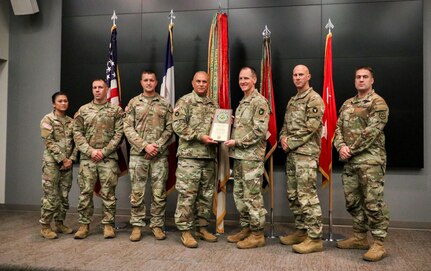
(267, 91)
(329, 119)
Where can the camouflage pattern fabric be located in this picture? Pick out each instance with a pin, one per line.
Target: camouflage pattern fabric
(57, 135)
(250, 128)
(195, 185)
(301, 173)
(192, 119)
(302, 128)
(56, 186)
(249, 132)
(98, 127)
(360, 127)
(195, 173)
(363, 189)
(248, 195)
(303, 123)
(107, 172)
(147, 121)
(156, 171)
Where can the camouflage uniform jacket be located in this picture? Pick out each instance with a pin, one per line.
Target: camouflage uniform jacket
(192, 119)
(250, 128)
(303, 123)
(360, 127)
(98, 127)
(148, 121)
(58, 138)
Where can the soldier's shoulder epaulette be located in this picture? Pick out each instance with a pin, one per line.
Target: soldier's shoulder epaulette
(82, 108)
(48, 118)
(315, 99)
(379, 103)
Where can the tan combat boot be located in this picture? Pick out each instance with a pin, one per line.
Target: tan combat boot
(82, 232)
(376, 252)
(61, 228)
(357, 241)
(47, 232)
(255, 239)
(309, 245)
(298, 236)
(159, 234)
(108, 231)
(204, 234)
(188, 240)
(239, 236)
(136, 234)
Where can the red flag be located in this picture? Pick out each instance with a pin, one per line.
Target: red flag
(329, 119)
(267, 90)
(218, 71)
(167, 90)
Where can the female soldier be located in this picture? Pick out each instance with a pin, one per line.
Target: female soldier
(58, 157)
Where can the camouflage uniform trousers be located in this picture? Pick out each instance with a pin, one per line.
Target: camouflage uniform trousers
(89, 172)
(363, 189)
(195, 185)
(56, 185)
(301, 173)
(141, 170)
(247, 193)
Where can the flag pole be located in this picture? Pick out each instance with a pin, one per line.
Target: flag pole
(330, 237)
(167, 91)
(266, 35)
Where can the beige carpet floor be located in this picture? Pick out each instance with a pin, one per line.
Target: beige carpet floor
(22, 248)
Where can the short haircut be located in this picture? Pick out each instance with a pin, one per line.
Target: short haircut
(253, 71)
(148, 72)
(99, 79)
(58, 93)
(368, 68)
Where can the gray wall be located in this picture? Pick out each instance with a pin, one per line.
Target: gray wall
(4, 73)
(34, 74)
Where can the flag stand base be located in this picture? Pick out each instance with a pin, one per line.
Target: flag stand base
(332, 237)
(121, 225)
(272, 234)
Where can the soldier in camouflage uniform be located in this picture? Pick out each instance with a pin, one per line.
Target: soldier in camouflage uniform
(58, 157)
(248, 145)
(360, 141)
(98, 130)
(195, 174)
(148, 128)
(300, 139)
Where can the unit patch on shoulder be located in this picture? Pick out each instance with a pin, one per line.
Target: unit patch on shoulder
(47, 126)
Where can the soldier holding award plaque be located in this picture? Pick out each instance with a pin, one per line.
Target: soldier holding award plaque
(248, 146)
(193, 114)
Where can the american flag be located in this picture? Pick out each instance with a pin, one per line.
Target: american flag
(112, 70)
(114, 93)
